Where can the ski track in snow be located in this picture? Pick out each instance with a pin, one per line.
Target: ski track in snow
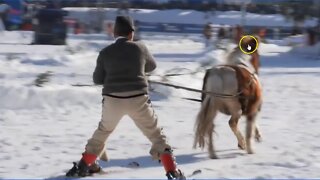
(43, 130)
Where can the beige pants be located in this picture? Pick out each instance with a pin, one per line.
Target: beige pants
(140, 110)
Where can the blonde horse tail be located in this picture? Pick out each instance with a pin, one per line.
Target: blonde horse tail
(204, 122)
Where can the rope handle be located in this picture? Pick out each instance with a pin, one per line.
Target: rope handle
(196, 90)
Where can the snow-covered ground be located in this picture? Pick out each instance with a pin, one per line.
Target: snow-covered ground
(45, 129)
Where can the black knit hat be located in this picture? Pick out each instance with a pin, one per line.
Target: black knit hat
(123, 25)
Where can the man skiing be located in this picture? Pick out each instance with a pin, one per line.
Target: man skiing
(121, 69)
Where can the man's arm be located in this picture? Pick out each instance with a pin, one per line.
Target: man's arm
(99, 73)
(150, 61)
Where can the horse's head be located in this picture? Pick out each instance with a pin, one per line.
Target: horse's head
(254, 59)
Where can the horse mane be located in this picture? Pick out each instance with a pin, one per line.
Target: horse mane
(237, 57)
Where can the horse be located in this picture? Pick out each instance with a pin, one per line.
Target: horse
(237, 78)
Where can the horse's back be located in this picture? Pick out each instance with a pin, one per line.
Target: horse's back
(222, 80)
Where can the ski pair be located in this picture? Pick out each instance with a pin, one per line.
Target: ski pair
(88, 166)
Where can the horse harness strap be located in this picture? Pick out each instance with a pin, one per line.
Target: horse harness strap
(243, 75)
(245, 85)
(195, 90)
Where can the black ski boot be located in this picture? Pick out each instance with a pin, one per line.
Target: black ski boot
(95, 168)
(83, 170)
(78, 170)
(177, 175)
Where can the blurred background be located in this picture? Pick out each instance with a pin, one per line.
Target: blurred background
(277, 18)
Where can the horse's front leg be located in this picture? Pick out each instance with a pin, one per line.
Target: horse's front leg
(250, 131)
(233, 123)
(211, 149)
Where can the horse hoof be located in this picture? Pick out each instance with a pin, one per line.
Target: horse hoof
(242, 147)
(258, 139)
(214, 156)
(250, 151)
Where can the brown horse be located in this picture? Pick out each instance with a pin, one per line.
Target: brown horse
(239, 79)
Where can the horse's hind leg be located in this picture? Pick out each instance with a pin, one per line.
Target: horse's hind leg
(233, 123)
(257, 134)
(212, 152)
(211, 115)
(234, 108)
(250, 130)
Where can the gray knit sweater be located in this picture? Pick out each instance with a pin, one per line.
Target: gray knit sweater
(121, 67)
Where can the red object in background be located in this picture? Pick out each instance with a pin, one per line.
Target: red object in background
(110, 29)
(239, 34)
(77, 30)
(73, 23)
(27, 27)
(15, 12)
(262, 32)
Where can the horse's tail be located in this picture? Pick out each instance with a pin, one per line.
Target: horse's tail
(204, 122)
(206, 75)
